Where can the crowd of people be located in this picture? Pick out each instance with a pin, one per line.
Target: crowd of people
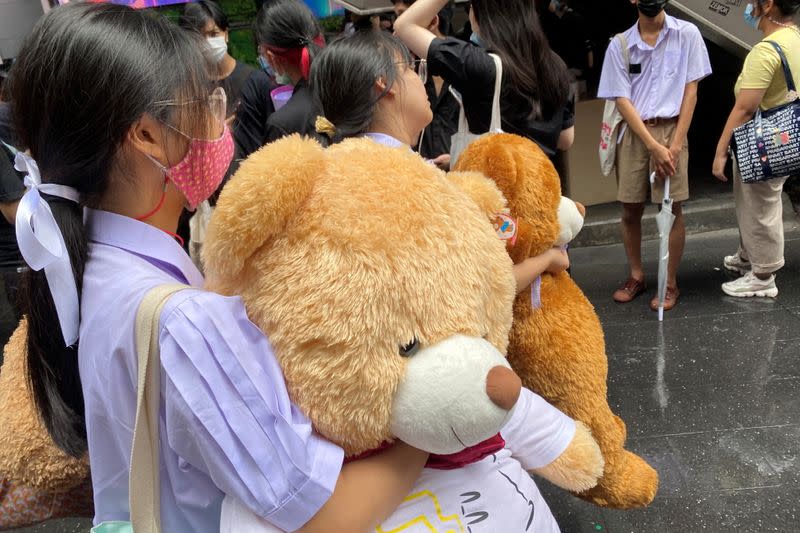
(144, 118)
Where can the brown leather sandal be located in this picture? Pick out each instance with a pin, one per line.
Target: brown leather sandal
(670, 299)
(630, 290)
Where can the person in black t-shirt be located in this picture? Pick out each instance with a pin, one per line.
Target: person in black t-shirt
(535, 100)
(250, 126)
(207, 18)
(435, 141)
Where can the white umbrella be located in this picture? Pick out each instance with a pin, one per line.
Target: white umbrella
(665, 220)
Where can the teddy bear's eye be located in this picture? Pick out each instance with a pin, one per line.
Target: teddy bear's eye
(410, 349)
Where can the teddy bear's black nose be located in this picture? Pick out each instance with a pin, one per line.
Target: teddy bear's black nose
(503, 387)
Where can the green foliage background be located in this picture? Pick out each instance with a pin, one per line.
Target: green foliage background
(241, 15)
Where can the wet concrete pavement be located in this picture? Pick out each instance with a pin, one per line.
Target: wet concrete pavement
(711, 398)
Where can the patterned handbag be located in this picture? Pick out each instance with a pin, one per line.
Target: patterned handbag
(768, 146)
(24, 506)
(38, 481)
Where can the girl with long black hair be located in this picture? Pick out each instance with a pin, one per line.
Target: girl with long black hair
(535, 97)
(124, 135)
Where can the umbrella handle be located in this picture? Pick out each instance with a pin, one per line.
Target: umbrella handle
(666, 184)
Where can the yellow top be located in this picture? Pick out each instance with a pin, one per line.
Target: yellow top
(762, 67)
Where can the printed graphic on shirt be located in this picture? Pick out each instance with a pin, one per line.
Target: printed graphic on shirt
(431, 517)
(492, 495)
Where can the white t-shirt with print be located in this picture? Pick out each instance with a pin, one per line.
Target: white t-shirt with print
(494, 495)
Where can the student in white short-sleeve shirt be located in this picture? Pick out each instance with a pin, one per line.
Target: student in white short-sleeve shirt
(656, 92)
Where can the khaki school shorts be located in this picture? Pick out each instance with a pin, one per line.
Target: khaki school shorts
(634, 167)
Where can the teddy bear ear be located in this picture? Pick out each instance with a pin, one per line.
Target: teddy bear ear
(482, 190)
(259, 201)
(494, 155)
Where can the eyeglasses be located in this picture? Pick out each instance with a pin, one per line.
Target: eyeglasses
(216, 102)
(420, 66)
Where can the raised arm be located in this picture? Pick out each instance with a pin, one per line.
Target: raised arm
(412, 26)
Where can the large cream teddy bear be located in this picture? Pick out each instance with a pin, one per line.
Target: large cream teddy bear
(387, 296)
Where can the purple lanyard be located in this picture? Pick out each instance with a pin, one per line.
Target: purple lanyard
(536, 293)
(536, 287)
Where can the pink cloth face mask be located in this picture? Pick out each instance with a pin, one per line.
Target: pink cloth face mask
(203, 168)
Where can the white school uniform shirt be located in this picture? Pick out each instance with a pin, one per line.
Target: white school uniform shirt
(678, 58)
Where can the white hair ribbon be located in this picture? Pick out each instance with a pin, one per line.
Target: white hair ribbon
(42, 244)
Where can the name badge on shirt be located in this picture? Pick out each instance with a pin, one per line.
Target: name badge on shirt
(635, 68)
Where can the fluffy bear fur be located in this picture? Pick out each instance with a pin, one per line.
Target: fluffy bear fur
(302, 235)
(341, 265)
(559, 349)
(28, 456)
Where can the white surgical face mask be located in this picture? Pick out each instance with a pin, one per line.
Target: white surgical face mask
(217, 48)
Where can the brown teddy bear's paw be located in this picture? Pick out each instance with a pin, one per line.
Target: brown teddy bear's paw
(580, 466)
(627, 484)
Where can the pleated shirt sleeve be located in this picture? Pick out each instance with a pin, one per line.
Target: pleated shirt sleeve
(228, 413)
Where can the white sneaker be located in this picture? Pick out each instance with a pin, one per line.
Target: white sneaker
(735, 263)
(749, 285)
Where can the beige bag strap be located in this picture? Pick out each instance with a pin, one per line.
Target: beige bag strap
(143, 486)
(622, 41)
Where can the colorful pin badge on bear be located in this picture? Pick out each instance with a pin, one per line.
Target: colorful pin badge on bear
(506, 227)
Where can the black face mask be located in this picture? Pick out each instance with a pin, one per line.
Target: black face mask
(651, 8)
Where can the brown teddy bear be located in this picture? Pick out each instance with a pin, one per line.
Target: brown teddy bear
(38, 481)
(556, 344)
(387, 296)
